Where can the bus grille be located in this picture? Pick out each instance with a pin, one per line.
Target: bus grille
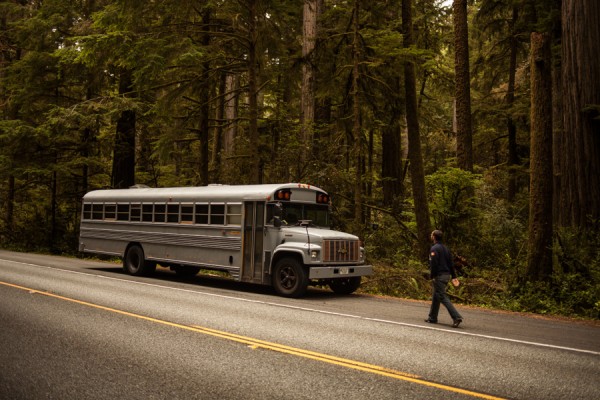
(337, 250)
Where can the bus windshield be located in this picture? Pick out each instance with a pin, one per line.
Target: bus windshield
(293, 213)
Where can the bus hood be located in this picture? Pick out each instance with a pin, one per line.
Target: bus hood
(317, 233)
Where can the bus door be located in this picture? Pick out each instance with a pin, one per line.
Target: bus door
(253, 265)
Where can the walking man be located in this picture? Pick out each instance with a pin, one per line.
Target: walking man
(442, 270)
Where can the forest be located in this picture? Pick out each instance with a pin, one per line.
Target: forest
(477, 117)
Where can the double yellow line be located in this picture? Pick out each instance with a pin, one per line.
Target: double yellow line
(261, 344)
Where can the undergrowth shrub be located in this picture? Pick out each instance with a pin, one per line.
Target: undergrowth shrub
(491, 236)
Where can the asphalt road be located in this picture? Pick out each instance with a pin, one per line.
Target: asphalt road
(79, 329)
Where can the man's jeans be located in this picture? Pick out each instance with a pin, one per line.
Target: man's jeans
(439, 296)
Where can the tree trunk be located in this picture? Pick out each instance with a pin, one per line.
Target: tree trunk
(558, 133)
(123, 172)
(218, 132)
(539, 257)
(580, 206)
(369, 171)
(391, 162)
(356, 128)
(414, 138)
(311, 12)
(53, 210)
(10, 203)
(464, 140)
(231, 98)
(255, 172)
(513, 159)
(203, 132)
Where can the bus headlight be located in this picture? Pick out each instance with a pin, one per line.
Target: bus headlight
(362, 255)
(314, 255)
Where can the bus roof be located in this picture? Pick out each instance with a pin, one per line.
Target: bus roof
(220, 193)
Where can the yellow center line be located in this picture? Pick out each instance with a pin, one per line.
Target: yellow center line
(257, 343)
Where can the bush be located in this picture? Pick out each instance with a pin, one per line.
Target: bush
(491, 235)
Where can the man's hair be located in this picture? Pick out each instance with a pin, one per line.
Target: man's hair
(437, 234)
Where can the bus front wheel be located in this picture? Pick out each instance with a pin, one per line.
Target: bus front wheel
(135, 263)
(290, 278)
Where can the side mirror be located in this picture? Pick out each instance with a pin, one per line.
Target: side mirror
(277, 222)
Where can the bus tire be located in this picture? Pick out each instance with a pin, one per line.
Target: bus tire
(136, 264)
(345, 285)
(290, 278)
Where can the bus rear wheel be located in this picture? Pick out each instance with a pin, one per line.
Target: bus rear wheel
(290, 278)
(345, 285)
(135, 263)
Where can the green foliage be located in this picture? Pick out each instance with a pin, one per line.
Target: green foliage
(451, 194)
(567, 294)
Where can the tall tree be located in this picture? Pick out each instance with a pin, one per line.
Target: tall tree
(414, 137)
(391, 156)
(311, 12)
(255, 160)
(123, 172)
(579, 204)
(464, 135)
(513, 158)
(539, 257)
(357, 134)
(231, 102)
(9, 53)
(203, 132)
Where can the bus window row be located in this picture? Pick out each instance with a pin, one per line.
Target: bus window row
(175, 213)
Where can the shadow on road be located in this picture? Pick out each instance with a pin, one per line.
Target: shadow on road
(207, 279)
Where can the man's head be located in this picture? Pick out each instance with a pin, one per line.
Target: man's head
(436, 235)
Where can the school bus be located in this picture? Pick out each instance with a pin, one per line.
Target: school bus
(272, 234)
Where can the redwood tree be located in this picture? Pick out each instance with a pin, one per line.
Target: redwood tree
(311, 13)
(464, 140)
(414, 137)
(579, 202)
(539, 260)
(255, 172)
(356, 126)
(123, 172)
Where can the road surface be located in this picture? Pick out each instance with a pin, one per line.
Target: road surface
(80, 329)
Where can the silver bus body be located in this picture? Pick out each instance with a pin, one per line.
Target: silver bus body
(274, 234)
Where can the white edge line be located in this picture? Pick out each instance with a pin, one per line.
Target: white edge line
(384, 321)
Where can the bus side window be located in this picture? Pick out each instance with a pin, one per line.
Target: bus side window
(110, 211)
(217, 214)
(159, 212)
(136, 212)
(187, 214)
(98, 211)
(202, 214)
(173, 213)
(122, 212)
(87, 211)
(147, 212)
(234, 214)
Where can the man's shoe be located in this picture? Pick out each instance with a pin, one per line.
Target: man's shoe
(431, 321)
(457, 322)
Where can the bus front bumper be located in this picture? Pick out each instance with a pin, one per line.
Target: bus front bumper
(342, 271)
